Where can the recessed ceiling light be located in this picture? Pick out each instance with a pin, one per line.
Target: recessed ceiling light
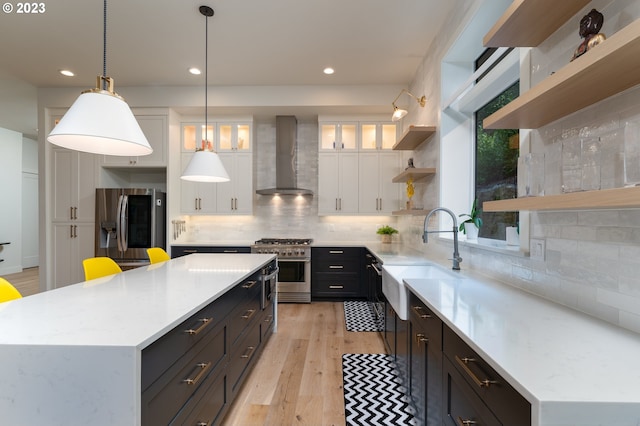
(328, 70)
(67, 73)
(195, 71)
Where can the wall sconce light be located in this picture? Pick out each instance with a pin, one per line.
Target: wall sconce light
(205, 165)
(398, 113)
(100, 121)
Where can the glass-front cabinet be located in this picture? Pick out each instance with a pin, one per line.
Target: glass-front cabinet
(377, 136)
(194, 136)
(338, 136)
(234, 137)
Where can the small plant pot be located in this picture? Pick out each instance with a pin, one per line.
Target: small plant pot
(471, 230)
(386, 238)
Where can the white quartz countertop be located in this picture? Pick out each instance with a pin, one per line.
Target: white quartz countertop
(573, 369)
(132, 309)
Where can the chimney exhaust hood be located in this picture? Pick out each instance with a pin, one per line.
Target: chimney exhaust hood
(286, 161)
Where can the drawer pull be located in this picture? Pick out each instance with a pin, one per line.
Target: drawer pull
(421, 338)
(418, 310)
(249, 284)
(336, 251)
(463, 362)
(205, 322)
(336, 286)
(268, 319)
(202, 424)
(247, 353)
(203, 369)
(190, 251)
(249, 313)
(230, 251)
(466, 422)
(336, 267)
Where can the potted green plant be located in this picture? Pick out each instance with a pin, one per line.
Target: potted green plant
(471, 225)
(386, 231)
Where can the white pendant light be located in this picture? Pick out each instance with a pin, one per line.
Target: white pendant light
(100, 121)
(205, 165)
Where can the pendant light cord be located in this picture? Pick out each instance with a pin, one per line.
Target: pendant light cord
(104, 46)
(206, 78)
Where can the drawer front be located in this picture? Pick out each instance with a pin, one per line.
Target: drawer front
(462, 406)
(157, 357)
(336, 266)
(177, 251)
(208, 408)
(241, 356)
(336, 285)
(167, 395)
(241, 318)
(505, 402)
(427, 321)
(266, 325)
(332, 253)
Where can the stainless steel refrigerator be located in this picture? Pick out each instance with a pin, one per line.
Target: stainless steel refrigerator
(128, 222)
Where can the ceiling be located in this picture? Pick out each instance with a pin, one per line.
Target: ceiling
(251, 42)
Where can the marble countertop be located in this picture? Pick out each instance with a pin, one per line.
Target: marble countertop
(130, 309)
(572, 368)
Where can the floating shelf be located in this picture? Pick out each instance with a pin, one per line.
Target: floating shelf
(413, 137)
(527, 23)
(413, 212)
(607, 69)
(616, 198)
(418, 174)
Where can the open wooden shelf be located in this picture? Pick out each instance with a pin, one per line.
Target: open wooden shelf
(616, 198)
(607, 69)
(527, 23)
(418, 174)
(413, 137)
(413, 212)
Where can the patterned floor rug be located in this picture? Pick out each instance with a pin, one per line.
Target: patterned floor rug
(361, 316)
(372, 394)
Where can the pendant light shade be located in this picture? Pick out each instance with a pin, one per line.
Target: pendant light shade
(399, 113)
(100, 121)
(205, 165)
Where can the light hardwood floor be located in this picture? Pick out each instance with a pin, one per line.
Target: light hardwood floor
(298, 377)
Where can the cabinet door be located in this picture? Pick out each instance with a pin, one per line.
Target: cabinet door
(154, 128)
(243, 183)
(74, 185)
(72, 244)
(338, 137)
(368, 179)
(328, 183)
(348, 183)
(225, 193)
(196, 197)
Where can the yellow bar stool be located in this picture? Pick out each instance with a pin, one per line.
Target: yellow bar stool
(96, 267)
(157, 255)
(8, 291)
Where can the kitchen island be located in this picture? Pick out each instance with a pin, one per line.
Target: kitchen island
(74, 355)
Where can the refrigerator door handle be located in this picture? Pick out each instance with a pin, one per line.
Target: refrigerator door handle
(124, 214)
(119, 224)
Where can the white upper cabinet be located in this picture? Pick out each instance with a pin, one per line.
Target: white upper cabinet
(378, 136)
(155, 129)
(335, 136)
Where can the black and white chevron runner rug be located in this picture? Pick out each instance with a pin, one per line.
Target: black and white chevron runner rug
(360, 316)
(372, 393)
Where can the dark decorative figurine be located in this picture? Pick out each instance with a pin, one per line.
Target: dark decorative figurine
(590, 26)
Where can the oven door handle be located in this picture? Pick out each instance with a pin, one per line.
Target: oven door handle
(271, 276)
(375, 268)
(293, 260)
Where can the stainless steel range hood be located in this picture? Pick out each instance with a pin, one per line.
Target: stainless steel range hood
(286, 162)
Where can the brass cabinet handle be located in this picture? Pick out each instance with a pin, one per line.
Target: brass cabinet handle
(418, 310)
(70, 213)
(465, 422)
(247, 353)
(336, 267)
(248, 314)
(249, 284)
(201, 368)
(193, 331)
(421, 338)
(336, 286)
(464, 363)
(75, 213)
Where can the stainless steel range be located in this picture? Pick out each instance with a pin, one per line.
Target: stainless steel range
(294, 263)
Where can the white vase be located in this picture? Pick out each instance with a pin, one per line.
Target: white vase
(471, 230)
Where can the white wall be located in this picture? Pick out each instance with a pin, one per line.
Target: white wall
(10, 201)
(592, 257)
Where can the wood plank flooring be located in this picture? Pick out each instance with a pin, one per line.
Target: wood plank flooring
(298, 378)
